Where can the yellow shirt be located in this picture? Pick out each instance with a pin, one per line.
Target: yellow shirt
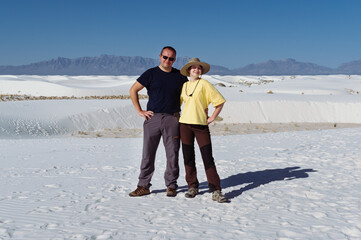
(203, 94)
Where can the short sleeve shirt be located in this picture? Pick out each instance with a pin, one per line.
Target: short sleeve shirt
(163, 89)
(197, 96)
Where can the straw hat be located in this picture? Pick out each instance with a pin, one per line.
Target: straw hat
(194, 61)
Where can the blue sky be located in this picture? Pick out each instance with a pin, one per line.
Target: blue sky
(229, 33)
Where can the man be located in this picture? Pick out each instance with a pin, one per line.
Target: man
(164, 85)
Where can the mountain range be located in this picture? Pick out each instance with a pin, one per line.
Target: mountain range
(123, 65)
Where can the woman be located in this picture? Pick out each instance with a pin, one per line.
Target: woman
(197, 94)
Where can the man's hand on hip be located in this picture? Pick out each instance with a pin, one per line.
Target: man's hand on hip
(146, 114)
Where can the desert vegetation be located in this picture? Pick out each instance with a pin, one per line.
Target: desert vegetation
(14, 97)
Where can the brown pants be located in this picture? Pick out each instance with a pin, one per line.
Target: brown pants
(201, 132)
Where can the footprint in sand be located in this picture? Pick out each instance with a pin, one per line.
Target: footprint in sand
(52, 185)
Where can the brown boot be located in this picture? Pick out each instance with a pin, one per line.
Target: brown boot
(140, 191)
(171, 192)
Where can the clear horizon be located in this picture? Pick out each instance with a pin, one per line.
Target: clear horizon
(231, 34)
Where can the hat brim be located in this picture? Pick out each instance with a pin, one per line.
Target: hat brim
(205, 67)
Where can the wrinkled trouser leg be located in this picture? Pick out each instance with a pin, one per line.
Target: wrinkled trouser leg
(187, 138)
(151, 138)
(171, 141)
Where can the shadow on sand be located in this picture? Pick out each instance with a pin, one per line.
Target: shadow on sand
(252, 179)
(256, 179)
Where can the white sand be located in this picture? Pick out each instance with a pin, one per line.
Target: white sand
(294, 185)
(286, 183)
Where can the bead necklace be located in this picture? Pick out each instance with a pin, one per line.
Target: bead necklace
(190, 95)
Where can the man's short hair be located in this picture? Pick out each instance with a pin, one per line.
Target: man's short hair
(170, 48)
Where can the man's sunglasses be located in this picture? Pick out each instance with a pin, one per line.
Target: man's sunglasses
(170, 59)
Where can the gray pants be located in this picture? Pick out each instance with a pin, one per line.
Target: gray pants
(165, 126)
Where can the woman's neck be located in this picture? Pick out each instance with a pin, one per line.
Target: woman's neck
(194, 78)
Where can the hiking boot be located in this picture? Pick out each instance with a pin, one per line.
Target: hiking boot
(140, 191)
(171, 192)
(219, 197)
(192, 192)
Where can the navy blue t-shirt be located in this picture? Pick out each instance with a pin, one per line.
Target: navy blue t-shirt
(163, 88)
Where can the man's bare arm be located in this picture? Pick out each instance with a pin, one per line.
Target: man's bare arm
(135, 100)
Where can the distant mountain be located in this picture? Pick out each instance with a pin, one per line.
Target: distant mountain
(353, 67)
(288, 66)
(102, 65)
(121, 65)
